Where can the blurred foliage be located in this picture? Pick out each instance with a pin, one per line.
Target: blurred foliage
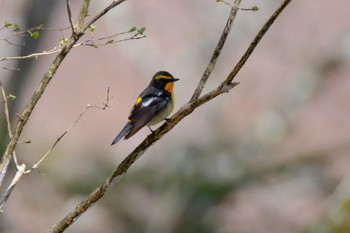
(338, 213)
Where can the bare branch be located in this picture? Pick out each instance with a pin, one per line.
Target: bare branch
(108, 40)
(217, 51)
(6, 110)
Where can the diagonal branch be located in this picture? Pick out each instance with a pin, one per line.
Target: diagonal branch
(184, 111)
(217, 51)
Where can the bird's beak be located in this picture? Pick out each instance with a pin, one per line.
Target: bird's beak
(176, 79)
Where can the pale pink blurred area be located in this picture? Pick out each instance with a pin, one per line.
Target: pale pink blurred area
(266, 157)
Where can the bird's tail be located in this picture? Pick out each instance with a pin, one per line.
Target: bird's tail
(124, 132)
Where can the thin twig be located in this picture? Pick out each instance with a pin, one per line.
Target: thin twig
(217, 51)
(69, 12)
(223, 1)
(253, 8)
(23, 33)
(27, 32)
(20, 169)
(6, 110)
(104, 104)
(15, 160)
(103, 12)
(114, 35)
(12, 43)
(10, 68)
(13, 184)
(90, 42)
(7, 117)
(255, 42)
(33, 55)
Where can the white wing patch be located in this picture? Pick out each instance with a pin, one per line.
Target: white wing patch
(147, 103)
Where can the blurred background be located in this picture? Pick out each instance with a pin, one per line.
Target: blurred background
(271, 156)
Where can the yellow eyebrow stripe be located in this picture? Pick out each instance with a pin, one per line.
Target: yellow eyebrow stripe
(162, 77)
(138, 101)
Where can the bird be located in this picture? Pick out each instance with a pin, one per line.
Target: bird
(153, 105)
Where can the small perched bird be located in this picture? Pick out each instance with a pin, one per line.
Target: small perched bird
(152, 106)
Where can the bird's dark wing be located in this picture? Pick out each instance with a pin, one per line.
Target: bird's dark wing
(144, 111)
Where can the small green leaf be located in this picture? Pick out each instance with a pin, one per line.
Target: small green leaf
(7, 25)
(92, 28)
(16, 28)
(35, 34)
(132, 29)
(11, 97)
(63, 41)
(141, 30)
(218, 0)
(255, 8)
(110, 41)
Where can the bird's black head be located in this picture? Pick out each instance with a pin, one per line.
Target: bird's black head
(161, 79)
